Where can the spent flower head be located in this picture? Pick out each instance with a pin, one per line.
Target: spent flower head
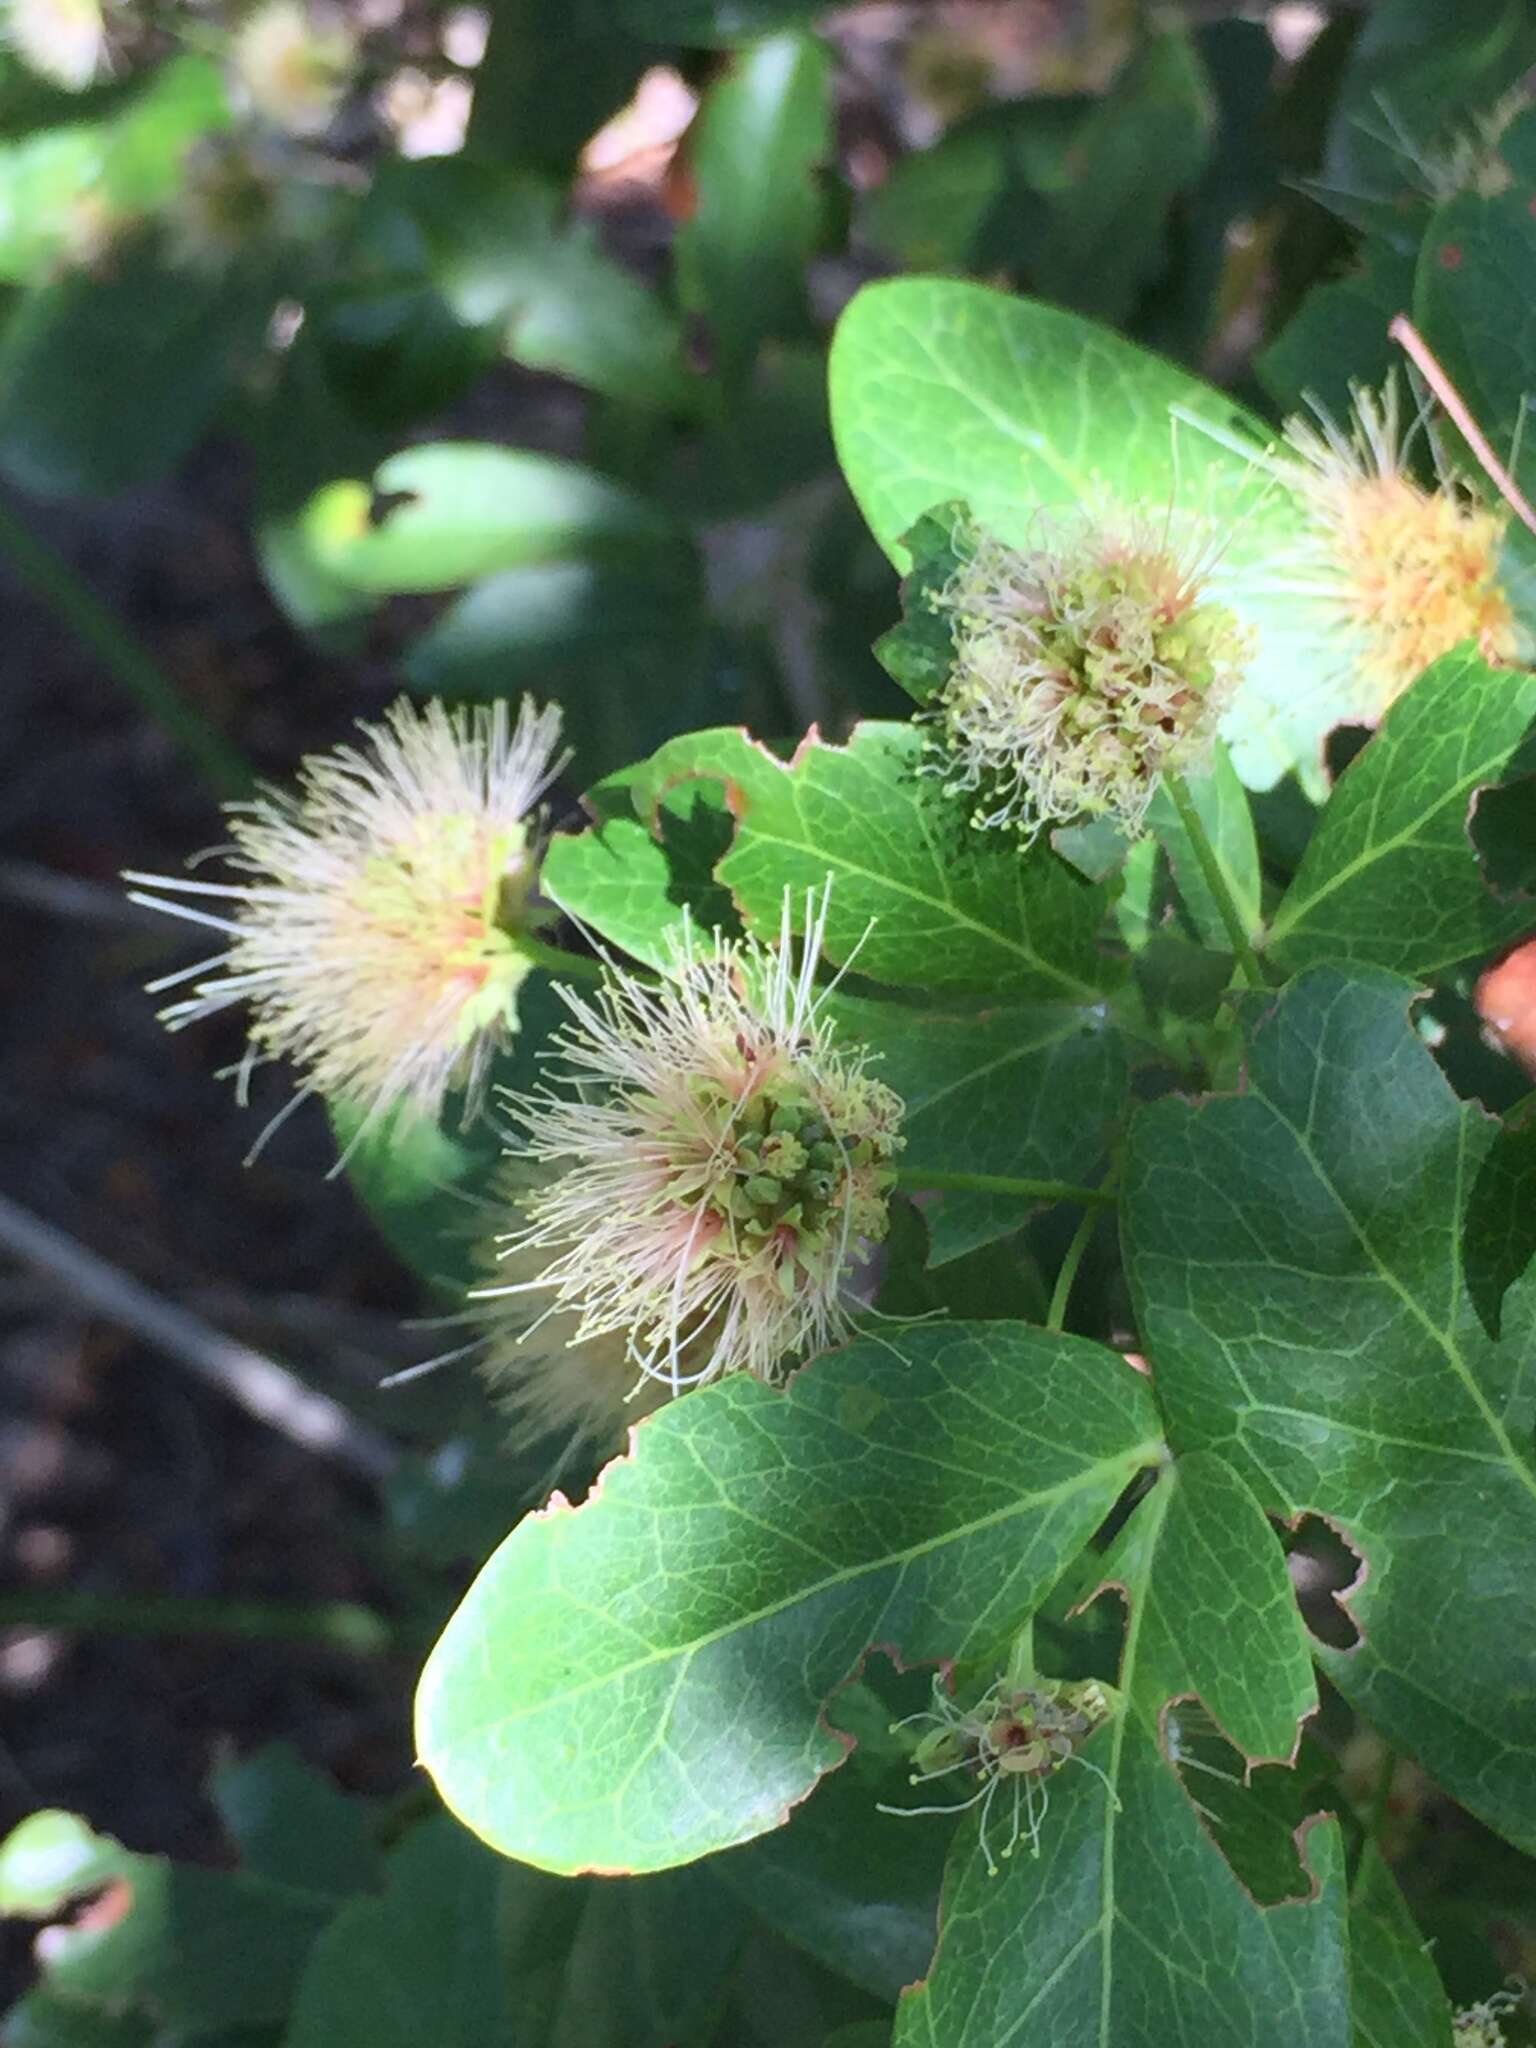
(377, 939)
(1403, 572)
(1086, 666)
(722, 1162)
(1012, 1742)
(291, 67)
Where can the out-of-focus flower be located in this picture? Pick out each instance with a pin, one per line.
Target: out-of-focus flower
(1400, 573)
(723, 1163)
(292, 69)
(65, 40)
(377, 939)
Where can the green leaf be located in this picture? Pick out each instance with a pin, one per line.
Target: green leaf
(921, 899)
(1396, 1997)
(198, 1949)
(1109, 1938)
(1500, 1236)
(1339, 335)
(552, 74)
(294, 1825)
(637, 1962)
(41, 2020)
(631, 882)
(1223, 808)
(467, 509)
(920, 652)
(502, 252)
(1471, 310)
(110, 381)
(812, 1878)
(760, 134)
(1295, 1257)
(1390, 877)
(422, 1964)
(584, 1706)
(1031, 1093)
(944, 391)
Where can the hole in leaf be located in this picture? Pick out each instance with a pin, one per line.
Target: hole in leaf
(1344, 743)
(1503, 831)
(1323, 1567)
(1256, 1819)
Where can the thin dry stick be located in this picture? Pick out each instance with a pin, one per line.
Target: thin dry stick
(1420, 354)
(259, 1385)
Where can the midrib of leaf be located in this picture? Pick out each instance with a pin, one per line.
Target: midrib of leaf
(1287, 917)
(1150, 1452)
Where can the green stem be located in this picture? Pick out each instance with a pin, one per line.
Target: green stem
(51, 578)
(329, 1624)
(1061, 1293)
(1002, 1184)
(582, 965)
(1216, 882)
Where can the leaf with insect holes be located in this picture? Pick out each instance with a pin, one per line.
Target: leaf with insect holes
(637, 1682)
(1295, 1254)
(945, 391)
(1131, 1926)
(1390, 877)
(918, 898)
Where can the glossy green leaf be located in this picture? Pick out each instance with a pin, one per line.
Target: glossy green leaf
(943, 391)
(1223, 808)
(923, 901)
(1390, 877)
(1295, 1254)
(422, 1963)
(1396, 1997)
(723, 22)
(1030, 1093)
(294, 1825)
(452, 511)
(1130, 1927)
(760, 134)
(633, 1683)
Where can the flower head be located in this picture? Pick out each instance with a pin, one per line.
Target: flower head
(292, 71)
(65, 40)
(1085, 668)
(1404, 573)
(724, 1163)
(377, 941)
(1016, 1737)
